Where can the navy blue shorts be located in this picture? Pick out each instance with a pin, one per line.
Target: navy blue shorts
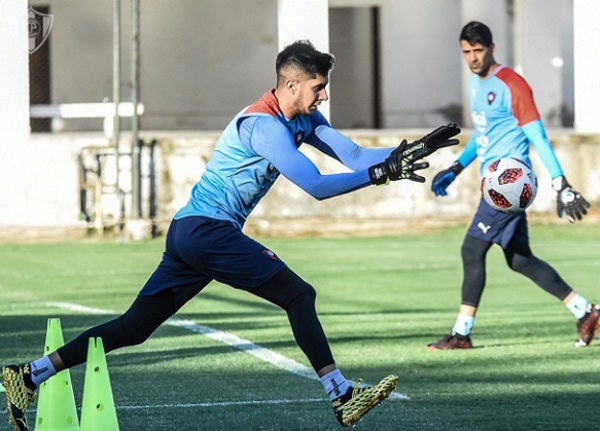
(497, 227)
(200, 249)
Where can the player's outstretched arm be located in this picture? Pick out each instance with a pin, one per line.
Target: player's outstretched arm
(568, 200)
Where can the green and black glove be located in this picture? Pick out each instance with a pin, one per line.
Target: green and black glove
(399, 165)
(433, 141)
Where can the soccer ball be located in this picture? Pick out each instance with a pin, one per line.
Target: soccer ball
(509, 185)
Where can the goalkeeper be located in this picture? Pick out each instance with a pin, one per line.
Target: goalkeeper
(205, 241)
(506, 121)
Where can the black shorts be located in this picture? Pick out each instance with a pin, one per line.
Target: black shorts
(200, 249)
(497, 227)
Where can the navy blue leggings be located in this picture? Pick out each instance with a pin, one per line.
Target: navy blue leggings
(286, 290)
(519, 258)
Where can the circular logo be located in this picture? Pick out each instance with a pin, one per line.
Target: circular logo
(34, 27)
(270, 254)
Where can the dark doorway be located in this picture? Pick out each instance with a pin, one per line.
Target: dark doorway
(355, 84)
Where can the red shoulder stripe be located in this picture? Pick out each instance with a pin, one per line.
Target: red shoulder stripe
(267, 104)
(523, 105)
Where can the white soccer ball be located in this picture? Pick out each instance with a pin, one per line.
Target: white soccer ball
(509, 185)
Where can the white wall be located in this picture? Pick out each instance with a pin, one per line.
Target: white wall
(420, 67)
(587, 64)
(542, 52)
(203, 60)
(14, 74)
(15, 167)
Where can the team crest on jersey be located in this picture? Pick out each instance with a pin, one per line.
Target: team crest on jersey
(299, 137)
(270, 254)
(491, 97)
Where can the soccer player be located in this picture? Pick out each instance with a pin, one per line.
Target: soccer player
(506, 121)
(205, 241)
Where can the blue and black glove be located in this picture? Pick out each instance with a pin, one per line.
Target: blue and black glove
(444, 178)
(568, 200)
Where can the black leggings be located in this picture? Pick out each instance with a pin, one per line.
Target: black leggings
(519, 258)
(286, 290)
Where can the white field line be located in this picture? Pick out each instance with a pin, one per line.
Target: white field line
(220, 404)
(3, 412)
(232, 340)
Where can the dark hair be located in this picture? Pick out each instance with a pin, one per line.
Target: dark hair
(477, 32)
(304, 59)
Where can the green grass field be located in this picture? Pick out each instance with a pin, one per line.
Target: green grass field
(381, 300)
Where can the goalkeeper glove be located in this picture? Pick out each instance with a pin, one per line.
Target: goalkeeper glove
(444, 178)
(568, 200)
(400, 163)
(433, 141)
(398, 166)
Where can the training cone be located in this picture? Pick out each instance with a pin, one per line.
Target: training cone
(98, 411)
(56, 409)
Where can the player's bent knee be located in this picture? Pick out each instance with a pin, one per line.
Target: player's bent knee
(469, 254)
(144, 316)
(305, 295)
(473, 250)
(133, 334)
(523, 264)
(286, 289)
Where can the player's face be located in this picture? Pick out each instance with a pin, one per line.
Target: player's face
(311, 92)
(478, 57)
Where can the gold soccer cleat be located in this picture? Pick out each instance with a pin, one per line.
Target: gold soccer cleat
(18, 395)
(359, 400)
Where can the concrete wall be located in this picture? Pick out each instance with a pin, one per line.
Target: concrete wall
(52, 161)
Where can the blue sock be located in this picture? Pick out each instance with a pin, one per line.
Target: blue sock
(464, 324)
(578, 306)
